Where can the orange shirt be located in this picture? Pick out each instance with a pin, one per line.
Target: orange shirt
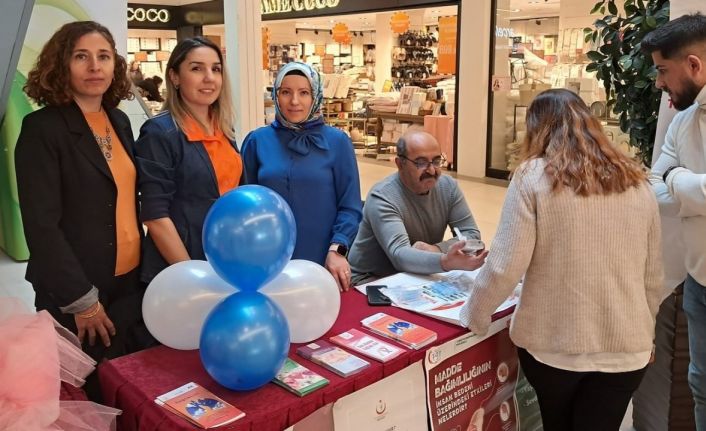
(124, 175)
(225, 160)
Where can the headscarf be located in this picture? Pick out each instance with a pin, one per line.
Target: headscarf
(302, 141)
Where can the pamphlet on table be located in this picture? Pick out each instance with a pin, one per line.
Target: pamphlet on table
(332, 358)
(407, 333)
(367, 345)
(199, 406)
(298, 379)
(440, 296)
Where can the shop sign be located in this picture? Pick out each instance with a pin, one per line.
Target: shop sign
(447, 45)
(504, 32)
(282, 6)
(399, 22)
(340, 33)
(140, 14)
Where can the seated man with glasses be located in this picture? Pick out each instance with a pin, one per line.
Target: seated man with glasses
(406, 214)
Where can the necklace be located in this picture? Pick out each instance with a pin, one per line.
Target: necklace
(104, 142)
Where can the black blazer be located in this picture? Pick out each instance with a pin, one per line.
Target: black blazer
(67, 198)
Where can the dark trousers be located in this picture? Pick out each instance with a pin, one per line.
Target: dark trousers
(579, 401)
(122, 300)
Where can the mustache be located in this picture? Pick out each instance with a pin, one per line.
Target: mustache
(426, 175)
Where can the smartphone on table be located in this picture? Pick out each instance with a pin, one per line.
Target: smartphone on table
(375, 297)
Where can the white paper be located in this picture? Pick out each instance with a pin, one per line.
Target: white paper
(441, 296)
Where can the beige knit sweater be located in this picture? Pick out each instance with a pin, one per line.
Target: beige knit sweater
(592, 266)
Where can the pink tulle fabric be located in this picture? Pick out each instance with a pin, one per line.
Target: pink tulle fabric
(36, 355)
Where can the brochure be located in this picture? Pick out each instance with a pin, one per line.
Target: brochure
(333, 358)
(440, 296)
(298, 379)
(367, 345)
(407, 333)
(199, 406)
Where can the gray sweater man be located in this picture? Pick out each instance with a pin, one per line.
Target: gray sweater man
(406, 214)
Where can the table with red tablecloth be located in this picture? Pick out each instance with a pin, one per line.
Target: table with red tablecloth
(131, 383)
(68, 392)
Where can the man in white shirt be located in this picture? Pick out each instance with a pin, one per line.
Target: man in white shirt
(679, 175)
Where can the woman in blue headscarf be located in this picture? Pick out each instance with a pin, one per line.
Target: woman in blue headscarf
(312, 166)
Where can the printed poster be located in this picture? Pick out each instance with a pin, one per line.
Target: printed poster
(447, 45)
(472, 385)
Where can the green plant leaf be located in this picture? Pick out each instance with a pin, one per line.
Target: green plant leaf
(596, 7)
(651, 22)
(625, 62)
(595, 56)
(612, 8)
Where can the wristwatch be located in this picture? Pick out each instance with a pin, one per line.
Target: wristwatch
(339, 248)
(667, 172)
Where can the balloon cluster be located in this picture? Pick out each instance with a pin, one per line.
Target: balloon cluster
(243, 334)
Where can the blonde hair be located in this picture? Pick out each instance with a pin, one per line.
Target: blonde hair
(221, 112)
(578, 155)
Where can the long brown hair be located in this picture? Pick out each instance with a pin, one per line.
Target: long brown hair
(578, 155)
(221, 111)
(48, 83)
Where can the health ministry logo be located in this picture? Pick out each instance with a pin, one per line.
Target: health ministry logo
(380, 408)
(434, 355)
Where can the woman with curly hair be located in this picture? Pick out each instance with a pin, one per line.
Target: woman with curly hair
(76, 181)
(580, 223)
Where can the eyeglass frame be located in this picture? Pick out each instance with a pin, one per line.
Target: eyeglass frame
(426, 163)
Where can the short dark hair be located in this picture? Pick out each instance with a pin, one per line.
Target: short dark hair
(296, 72)
(402, 146)
(671, 38)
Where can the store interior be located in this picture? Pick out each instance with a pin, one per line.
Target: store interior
(539, 45)
(362, 82)
(383, 73)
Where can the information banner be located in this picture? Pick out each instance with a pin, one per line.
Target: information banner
(472, 383)
(447, 45)
(394, 403)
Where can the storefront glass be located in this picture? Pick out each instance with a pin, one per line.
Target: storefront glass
(536, 47)
(382, 72)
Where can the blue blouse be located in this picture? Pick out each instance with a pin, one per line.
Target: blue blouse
(315, 171)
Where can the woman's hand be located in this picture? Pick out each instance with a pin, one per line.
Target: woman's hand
(338, 266)
(92, 321)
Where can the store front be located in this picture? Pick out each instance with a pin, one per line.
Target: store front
(537, 46)
(386, 65)
(153, 32)
(239, 25)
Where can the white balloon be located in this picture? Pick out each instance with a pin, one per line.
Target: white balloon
(308, 295)
(178, 300)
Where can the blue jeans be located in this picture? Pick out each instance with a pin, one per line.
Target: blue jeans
(695, 309)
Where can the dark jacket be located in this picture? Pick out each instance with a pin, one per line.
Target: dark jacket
(67, 198)
(177, 180)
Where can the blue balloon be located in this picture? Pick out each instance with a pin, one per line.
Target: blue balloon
(244, 341)
(248, 236)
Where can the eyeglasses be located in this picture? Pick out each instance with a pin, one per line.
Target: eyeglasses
(437, 162)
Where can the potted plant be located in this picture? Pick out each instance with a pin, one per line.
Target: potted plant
(628, 74)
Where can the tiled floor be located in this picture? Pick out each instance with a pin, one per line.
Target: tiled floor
(484, 199)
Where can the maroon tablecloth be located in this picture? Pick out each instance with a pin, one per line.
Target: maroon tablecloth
(71, 393)
(132, 382)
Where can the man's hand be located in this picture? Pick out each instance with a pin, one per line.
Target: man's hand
(421, 245)
(92, 321)
(338, 266)
(457, 259)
